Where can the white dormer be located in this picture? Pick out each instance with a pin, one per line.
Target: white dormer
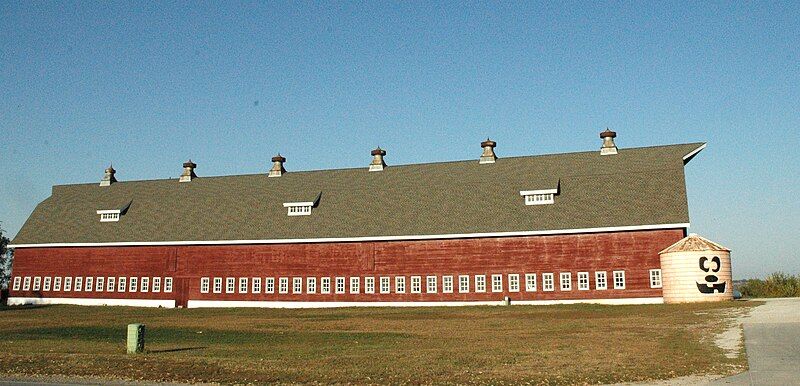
(539, 197)
(110, 215)
(298, 208)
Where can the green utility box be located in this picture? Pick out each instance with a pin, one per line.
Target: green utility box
(135, 338)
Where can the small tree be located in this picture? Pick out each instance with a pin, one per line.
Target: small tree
(5, 261)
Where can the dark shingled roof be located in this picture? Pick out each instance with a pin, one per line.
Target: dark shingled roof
(639, 186)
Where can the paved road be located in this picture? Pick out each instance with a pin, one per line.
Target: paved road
(772, 340)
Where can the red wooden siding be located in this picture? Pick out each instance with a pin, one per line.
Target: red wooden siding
(635, 252)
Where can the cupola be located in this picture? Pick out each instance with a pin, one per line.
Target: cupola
(608, 148)
(188, 171)
(108, 178)
(488, 156)
(277, 166)
(377, 163)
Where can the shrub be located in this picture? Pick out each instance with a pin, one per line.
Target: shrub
(777, 285)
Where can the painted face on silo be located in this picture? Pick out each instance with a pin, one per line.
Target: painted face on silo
(710, 282)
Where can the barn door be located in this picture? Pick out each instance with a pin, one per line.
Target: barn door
(182, 293)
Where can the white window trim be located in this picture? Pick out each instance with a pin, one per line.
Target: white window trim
(603, 281)
(269, 285)
(111, 284)
(512, 279)
(322, 285)
(311, 285)
(431, 285)
(133, 284)
(562, 282)
(256, 285)
(340, 289)
(168, 284)
(588, 284)
(369, 285)
(205, 285)
(68, 284)
(144, 284)
(77, 285)
(37, 283)
(17, 283)
(298, 208)
(660, 281)
(530, 282)
(539, 197)
(156, 284)
(447, 284)
(399, 284)
(57, 283)
(355, 285)
(418, 281)
(283, 285)
(461, 288)
(552, 280)
(621, 287)
(88, 282)
(230, 285)
(100, 284)
(122, 284)
(387, 288)
(497, 279)
(243, 285)
(46, 283)
(297, 285)
(217, 288)
(109, 215)
(480, 283)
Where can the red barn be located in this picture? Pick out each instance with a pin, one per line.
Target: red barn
(575, 227)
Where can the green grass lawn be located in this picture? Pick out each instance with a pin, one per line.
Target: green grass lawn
(520, 344)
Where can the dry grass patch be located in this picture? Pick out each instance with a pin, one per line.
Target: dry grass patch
(573, 344)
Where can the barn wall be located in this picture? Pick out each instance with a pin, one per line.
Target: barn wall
(635, 252)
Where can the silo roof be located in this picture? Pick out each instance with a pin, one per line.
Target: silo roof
(692, 243)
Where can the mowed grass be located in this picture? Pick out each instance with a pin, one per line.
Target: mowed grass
(571, 344)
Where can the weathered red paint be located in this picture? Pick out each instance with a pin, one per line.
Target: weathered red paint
(635, 252)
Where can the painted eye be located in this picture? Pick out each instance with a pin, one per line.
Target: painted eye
(715, 259)
(703, 261)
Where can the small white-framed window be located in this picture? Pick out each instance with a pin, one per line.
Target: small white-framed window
(133, 285)
(298, 208)
(283, 285)
(513, 282)
(539, 197)
(565, 278)
(167, 284)
(256, 285)
(243, 285)
(325, 285)
(548, 282)
(269, 285)
(530, 282)
(67, 284)
(583, 281)
(497, 283)
(156, 284)
(600, 280)
(447, 284)
(430, 286)
(311, 285)
(619, 279)
(89, 284)
(463, 284)
(655, 278)
(230, 285)
(46, 283)
(57, 283)
(297, 285)
(355, 285)
(480, 283)
(121, 284)
(144, 284)
(205, 285)
(340, 285)
(386, 283)
(217, 285)
(78, 283)
(416, 284)
(17, 283)
(109, 215)
(37, 283)
(399, 284)
(369, 285)
(111, 284)
(100, 284)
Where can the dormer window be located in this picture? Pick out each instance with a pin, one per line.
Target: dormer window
(109, 215)
(298, 208)
(539, 197)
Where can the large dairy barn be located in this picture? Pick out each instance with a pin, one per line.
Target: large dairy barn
(540, 229)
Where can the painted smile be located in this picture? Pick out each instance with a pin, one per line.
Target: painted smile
(711, 288)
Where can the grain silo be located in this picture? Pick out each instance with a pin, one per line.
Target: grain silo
(696, 269)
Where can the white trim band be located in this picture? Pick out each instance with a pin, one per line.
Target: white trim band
(695, 151)
(541, 191)
(365, 238)
(301, 304)
(18, 301)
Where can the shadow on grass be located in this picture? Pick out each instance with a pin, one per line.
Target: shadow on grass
(23, 307)
(176, 349)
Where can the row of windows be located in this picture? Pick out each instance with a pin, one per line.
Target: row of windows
(431, 283)
(89, 283)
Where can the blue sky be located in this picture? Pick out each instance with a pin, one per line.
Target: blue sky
(147, 85)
